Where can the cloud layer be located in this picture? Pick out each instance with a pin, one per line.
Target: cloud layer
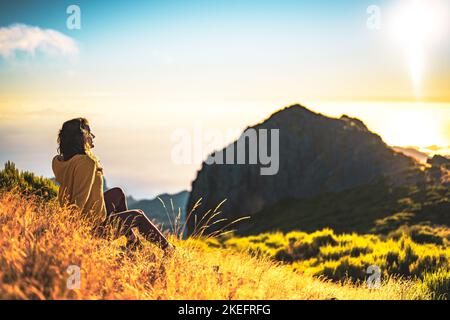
(30, 39)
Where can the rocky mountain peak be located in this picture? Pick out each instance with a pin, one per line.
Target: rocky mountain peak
(317, 154)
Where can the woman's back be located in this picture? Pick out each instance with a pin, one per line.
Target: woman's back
(81, 183)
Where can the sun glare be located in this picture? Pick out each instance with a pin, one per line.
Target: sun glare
(414, 128)
(417, 25)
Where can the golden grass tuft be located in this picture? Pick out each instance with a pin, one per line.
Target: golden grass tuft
(39, 241)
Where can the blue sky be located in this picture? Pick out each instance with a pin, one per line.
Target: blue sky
(310, 46)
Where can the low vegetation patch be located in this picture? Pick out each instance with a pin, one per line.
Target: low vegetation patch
(347, 257)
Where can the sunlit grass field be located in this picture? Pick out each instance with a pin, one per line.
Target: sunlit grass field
(39, 241)
(41, 244)
(347, 257)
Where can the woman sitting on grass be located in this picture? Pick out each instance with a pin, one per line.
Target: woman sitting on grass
(80, 176)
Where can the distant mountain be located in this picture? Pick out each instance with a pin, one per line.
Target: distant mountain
(155, 210)
(332, 173)
(414, 153)
(445, 151)
(439, 161)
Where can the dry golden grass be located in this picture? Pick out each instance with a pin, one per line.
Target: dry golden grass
(39, 241)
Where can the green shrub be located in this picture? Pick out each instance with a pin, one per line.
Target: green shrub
(391, 223)
(423, 234)
(26, 182)
(284, 255)
(347, 256)
(426, 235)
(346, 269)
(323, 238)
(438, 283)
(392, 258)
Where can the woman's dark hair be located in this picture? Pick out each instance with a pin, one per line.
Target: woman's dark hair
(73, 138)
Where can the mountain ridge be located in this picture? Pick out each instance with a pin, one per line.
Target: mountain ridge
(318, 155)
(155, 210)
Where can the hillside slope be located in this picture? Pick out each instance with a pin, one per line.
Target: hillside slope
(39, 242)
(421, 254)
(332, 173)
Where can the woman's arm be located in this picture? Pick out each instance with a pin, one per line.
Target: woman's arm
(83, 180)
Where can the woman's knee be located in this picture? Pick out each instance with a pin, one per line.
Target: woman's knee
(113, 194)
(137, 215)
(117, 192)
(139, 212)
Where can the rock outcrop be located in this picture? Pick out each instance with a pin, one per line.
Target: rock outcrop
(317, 155)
